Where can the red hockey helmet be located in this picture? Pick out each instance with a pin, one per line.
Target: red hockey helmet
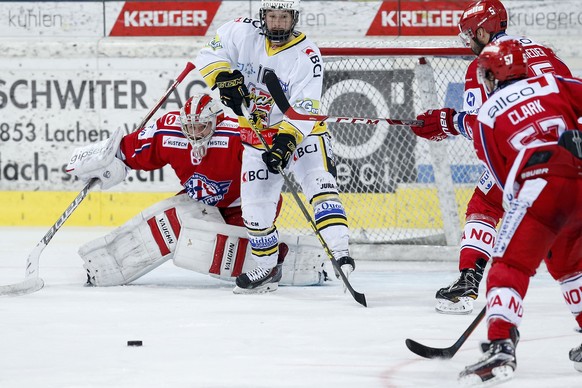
(487, 14)
(501, 61)
(199, 117)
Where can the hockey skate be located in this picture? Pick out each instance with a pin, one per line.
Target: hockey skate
(496, 366)
(459, 296)
(347, 261)
(262, 280)
(576, 358)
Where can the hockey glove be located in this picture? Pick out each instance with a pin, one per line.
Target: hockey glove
(281, 150)
(98, 160)
(438, 124)
(233, 91)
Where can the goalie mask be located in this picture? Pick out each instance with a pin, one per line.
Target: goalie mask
(487, 14)
(278, 26)
(500, 62)
(199, 117)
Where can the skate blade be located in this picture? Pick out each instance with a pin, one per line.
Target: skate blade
(269, 287)
(500, 375)
(462, 307)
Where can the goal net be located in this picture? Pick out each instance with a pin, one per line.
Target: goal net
(397, 189)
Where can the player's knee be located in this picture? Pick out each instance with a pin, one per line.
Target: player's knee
(318, 184)
(258, 216)
(507, 276)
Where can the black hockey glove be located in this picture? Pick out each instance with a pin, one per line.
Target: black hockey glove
(233, 91)
(281, 150)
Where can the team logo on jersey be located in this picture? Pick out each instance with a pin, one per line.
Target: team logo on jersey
(246, 68)
(174, 142)
(205, 190)
(218, 142)
(147, 132)
(309, 51)
(471, 99)
(316, 60)
(308, 105)
(215, 43)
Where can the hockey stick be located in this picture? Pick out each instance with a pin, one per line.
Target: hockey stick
(360, 298)
(33, 282)
(446, 353)
(282, 102)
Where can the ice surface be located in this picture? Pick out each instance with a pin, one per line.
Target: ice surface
(197, 333)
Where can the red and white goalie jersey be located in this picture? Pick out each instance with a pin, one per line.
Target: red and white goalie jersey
(522, 117)
(213, 180)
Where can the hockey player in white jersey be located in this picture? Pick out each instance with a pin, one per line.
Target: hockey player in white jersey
(235, 62)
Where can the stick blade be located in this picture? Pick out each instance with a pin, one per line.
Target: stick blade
(427, 351)
(27, 286)
(360, 298)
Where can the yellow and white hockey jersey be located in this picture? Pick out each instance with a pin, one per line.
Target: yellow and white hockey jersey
(240, 45)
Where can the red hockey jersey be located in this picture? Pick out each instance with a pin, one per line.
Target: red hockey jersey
(523, 115)
(213, 180)
(540, 60)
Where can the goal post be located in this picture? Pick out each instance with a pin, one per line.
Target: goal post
(398, 189)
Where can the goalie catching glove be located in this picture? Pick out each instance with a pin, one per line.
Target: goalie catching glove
(99, 161)
(283, 147)
(438, 124)
(233, 91)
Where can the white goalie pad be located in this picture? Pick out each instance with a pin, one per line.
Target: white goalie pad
(143, 243)
(223, 252)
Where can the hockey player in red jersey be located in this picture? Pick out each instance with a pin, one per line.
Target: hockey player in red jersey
(201, 228)
(527, 134)
(482, 22)
(182, 140)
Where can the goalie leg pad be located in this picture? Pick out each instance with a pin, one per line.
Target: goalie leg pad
(223, 251)
(143, 243)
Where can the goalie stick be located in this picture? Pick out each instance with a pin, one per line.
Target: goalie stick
(283, 104)
(445, 353)
(359, 297)
(33, 282)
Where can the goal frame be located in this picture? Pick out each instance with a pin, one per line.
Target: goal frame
(442, 173)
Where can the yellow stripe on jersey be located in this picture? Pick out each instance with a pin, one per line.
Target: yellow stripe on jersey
(274, 50)
(332, 221)
(265, 252)
(211, 71)
(321, 197)
(319, 128)
(289, 129)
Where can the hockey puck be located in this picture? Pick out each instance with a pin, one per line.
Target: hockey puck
(134, 343)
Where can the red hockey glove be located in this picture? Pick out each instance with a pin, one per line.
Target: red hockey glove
(438, 124)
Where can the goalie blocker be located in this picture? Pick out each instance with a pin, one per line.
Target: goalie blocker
(196, 237)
